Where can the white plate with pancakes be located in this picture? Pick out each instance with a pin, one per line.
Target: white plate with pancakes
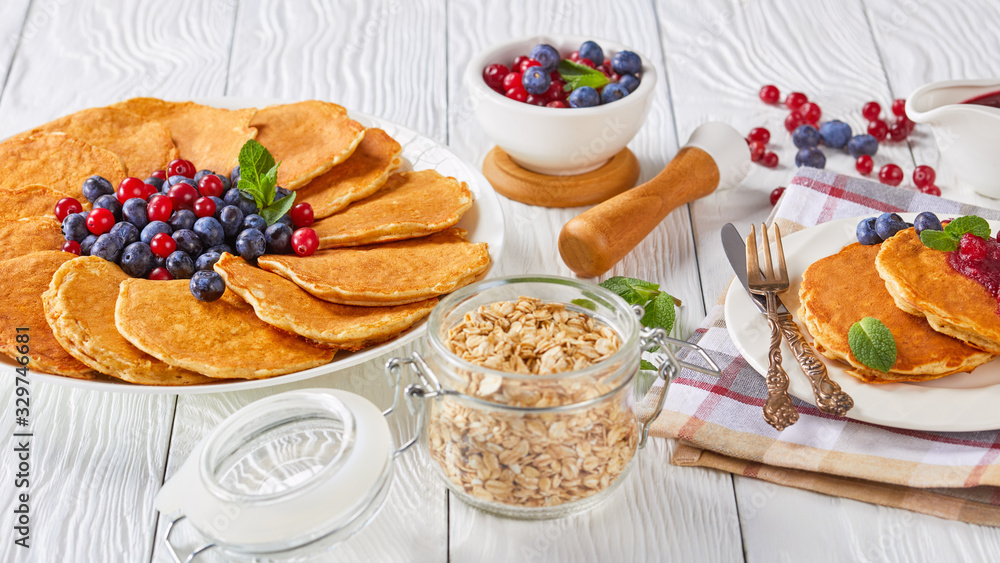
(483, 222)
(957, 403)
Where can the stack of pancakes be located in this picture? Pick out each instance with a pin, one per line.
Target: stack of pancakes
(387, 238)
(942, 322)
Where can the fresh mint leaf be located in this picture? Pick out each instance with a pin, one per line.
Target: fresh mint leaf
(872, 344)
(276, 209)
(577, 75)
(968, 224)
(660, 312)
(938, 240)
(258, 175)
(644, 364)
(633, 291)
(585, 303)
(253, 191)
(269, 181)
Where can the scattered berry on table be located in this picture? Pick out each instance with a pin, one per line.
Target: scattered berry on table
(927, 221)
(72, 247)
(931, 190)
(878, 129)
(160, 273)
(757, 150)
(776, 195)
(891, 174)
(835, 134)
(769, 94)
(899, 107)
(305, 241)
(811, 112)
(805, 136)
(793, 120)
(811, 157)
(866, 232)
(770, 160)
(207, 285)
(759, 134)
(864, 165)
(302, 214)
(100, 220)
(66, 206)
(923, 175)
(871, 111)
(888, 224)
(795, 100)
(862, 144)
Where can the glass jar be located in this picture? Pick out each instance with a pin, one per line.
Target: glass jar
(537, 446)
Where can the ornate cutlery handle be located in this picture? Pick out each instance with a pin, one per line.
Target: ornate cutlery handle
(829, 398)
(779, 411)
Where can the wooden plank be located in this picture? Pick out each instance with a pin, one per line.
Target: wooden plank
(660, 511)
(13, 17)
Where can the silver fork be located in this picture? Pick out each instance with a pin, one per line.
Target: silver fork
(778, 409)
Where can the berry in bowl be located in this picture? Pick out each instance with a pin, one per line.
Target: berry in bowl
(561, 104)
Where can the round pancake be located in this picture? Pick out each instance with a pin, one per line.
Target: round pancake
(356, 178)
(211, 138)
(409, 205)
(386, 274)
(222, 338)
(922, 283)
(280, 302)
(143, 145)
(29, 201)
(841, 289)
(25, 279)
(80, 309)
(58, 161)
(308, 138)
(30, 234)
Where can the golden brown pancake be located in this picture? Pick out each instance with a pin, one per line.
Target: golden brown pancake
(29, 201)
(409, 205)
(58, 161)
(143, 145)
(222, 338)
(211, 138)
(280, 302)
(356, 178)
(922, 283)
(308, 138)
(386, 274)
(26, 278)
(842, 289)
(30, 234)
(80, 309)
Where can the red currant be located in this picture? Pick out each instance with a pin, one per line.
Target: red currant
(795, 100)
(811, 112)
(907, 123)
(890, 174)
(162, 245)
(574, 56)
(923, 175)
(776, 194)
(160, 273)
(494, 74)
(180, 167)
(305, 241)
(769, 160)
(65, 206)
(556, 91)
(899, 107)
(757, 150)
(182, 195)
(210, 186)
(933, 190)
(864, 165)
(161, 174)
(587, 62)
(759, 134)
(130, 187)
(793, 120)
(534, 100)
(203, 207)
(516, 65)
(518, 94)
(302, 215)
(159, 208)
(769, 94)
(878, 129)
(871, 111)
(526, 64)
(148, 190)
(972, 247)
(100, 221)
(898, 131)
(72, 247)
(511, 80)
(556, 104)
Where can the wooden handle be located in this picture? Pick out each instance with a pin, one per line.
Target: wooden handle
(594, 241)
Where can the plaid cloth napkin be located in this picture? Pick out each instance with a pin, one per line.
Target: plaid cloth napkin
(719, 423)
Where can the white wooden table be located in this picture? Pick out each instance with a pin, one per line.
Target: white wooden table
(98, 459)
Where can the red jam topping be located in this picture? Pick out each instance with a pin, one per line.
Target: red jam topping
(978, 260)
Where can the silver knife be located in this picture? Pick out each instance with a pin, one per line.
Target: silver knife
(829, 397)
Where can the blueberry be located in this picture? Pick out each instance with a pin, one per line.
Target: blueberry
(548, 56)
(281, 193)
(862, 144)
(835, 134)
(592, 51)
(226, 184)
(613, 93)
(629, 82)
(107, 246)
(182, 219)
(199, 175)
(207, 285)
(219, 249)
(188, 241)
(206, 261)
(279, 239)
(231, 219)
(74, 227)
(286, 220)
(250, 244)
(96, 186)
(155, 182)
(234, 176)
(811, 157)
(219, 204)
(138, 260)
(152, 229)
(626, 62)
(889, 224)
(536, 80)
(180, 264)
(209, 231)
(254, 222)
(86, 244)
(584, 97)
(110, 203)
(866, 232)
(926, 221)
(159, 262)
(134, 211)
(241, 200)
(126, 232)
(806, 136)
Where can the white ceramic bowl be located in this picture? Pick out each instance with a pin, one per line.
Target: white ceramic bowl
(557, 141)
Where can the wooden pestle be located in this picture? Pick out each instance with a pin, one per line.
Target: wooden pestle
(594, 241)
